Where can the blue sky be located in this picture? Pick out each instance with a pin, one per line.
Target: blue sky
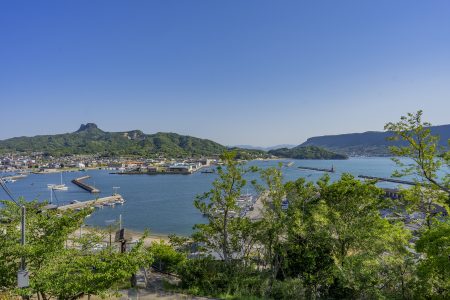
(237, 72)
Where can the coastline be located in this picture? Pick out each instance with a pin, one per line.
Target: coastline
(134, 234)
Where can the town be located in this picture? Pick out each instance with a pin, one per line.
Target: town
(39, 163)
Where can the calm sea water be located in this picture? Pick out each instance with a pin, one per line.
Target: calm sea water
(164, 203)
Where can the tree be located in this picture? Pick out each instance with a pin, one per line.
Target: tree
(273, 224)
(226, 229)
(365, 248)
(422, 148)
(432, 188)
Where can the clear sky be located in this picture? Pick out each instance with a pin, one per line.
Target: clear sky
(237, 72)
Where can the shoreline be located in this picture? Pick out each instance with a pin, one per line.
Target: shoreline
(134, 234)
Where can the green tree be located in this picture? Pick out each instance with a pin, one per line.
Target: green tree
(273, 223)
(364, 246)
(226, 229)
(422, 148)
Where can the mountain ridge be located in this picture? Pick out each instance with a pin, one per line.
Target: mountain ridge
(370, 143)
(90, 139)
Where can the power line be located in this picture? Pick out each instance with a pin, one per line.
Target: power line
(7, 191)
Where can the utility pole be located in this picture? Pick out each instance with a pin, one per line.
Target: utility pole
(23, 278)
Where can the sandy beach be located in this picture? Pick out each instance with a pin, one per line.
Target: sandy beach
(133, 235)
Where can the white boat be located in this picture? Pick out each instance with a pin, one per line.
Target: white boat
(58, 187)
(120, 201)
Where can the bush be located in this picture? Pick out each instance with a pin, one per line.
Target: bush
(214, 277)
(291, 288)
(166, 258)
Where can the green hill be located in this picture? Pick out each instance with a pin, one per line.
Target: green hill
(308, 152)
(371, 143)
(89, 139)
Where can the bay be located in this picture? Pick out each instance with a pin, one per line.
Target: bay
(164, 203)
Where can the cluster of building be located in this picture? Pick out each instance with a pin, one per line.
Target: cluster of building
(39, 163)
(160, 166)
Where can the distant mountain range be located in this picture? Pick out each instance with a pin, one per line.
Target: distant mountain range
(89, 139)
(371, 143)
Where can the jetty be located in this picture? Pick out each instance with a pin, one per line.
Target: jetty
(78, 181)
(99, 201)
(388, 179)
(318, 169)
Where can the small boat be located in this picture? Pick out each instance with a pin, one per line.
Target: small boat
(120, 201)
(58, 187)
(111, 204)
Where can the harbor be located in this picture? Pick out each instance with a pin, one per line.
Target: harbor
(165, 203)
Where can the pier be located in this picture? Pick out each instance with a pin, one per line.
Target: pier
(100, 201)
(78, 181)
(318, 169)
(388, 179)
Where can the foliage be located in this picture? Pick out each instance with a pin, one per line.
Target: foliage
(166, 258)
(61, 265)
(423, 148)
(434, 267)
(227, 233)
(92, 140)
(307, 152)
(207, 276)
(330, 242)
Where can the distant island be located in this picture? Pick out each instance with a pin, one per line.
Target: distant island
(371, 143)
(307, 152)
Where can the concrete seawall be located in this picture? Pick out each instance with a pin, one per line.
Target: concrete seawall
(78, 181)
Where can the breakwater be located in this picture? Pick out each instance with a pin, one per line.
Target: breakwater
(318, 169)
(388, 179)
(78, 181)
(99, 201)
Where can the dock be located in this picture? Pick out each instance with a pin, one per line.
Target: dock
(78, 181)
(388, 179)
(99, 201)
(318, 169)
